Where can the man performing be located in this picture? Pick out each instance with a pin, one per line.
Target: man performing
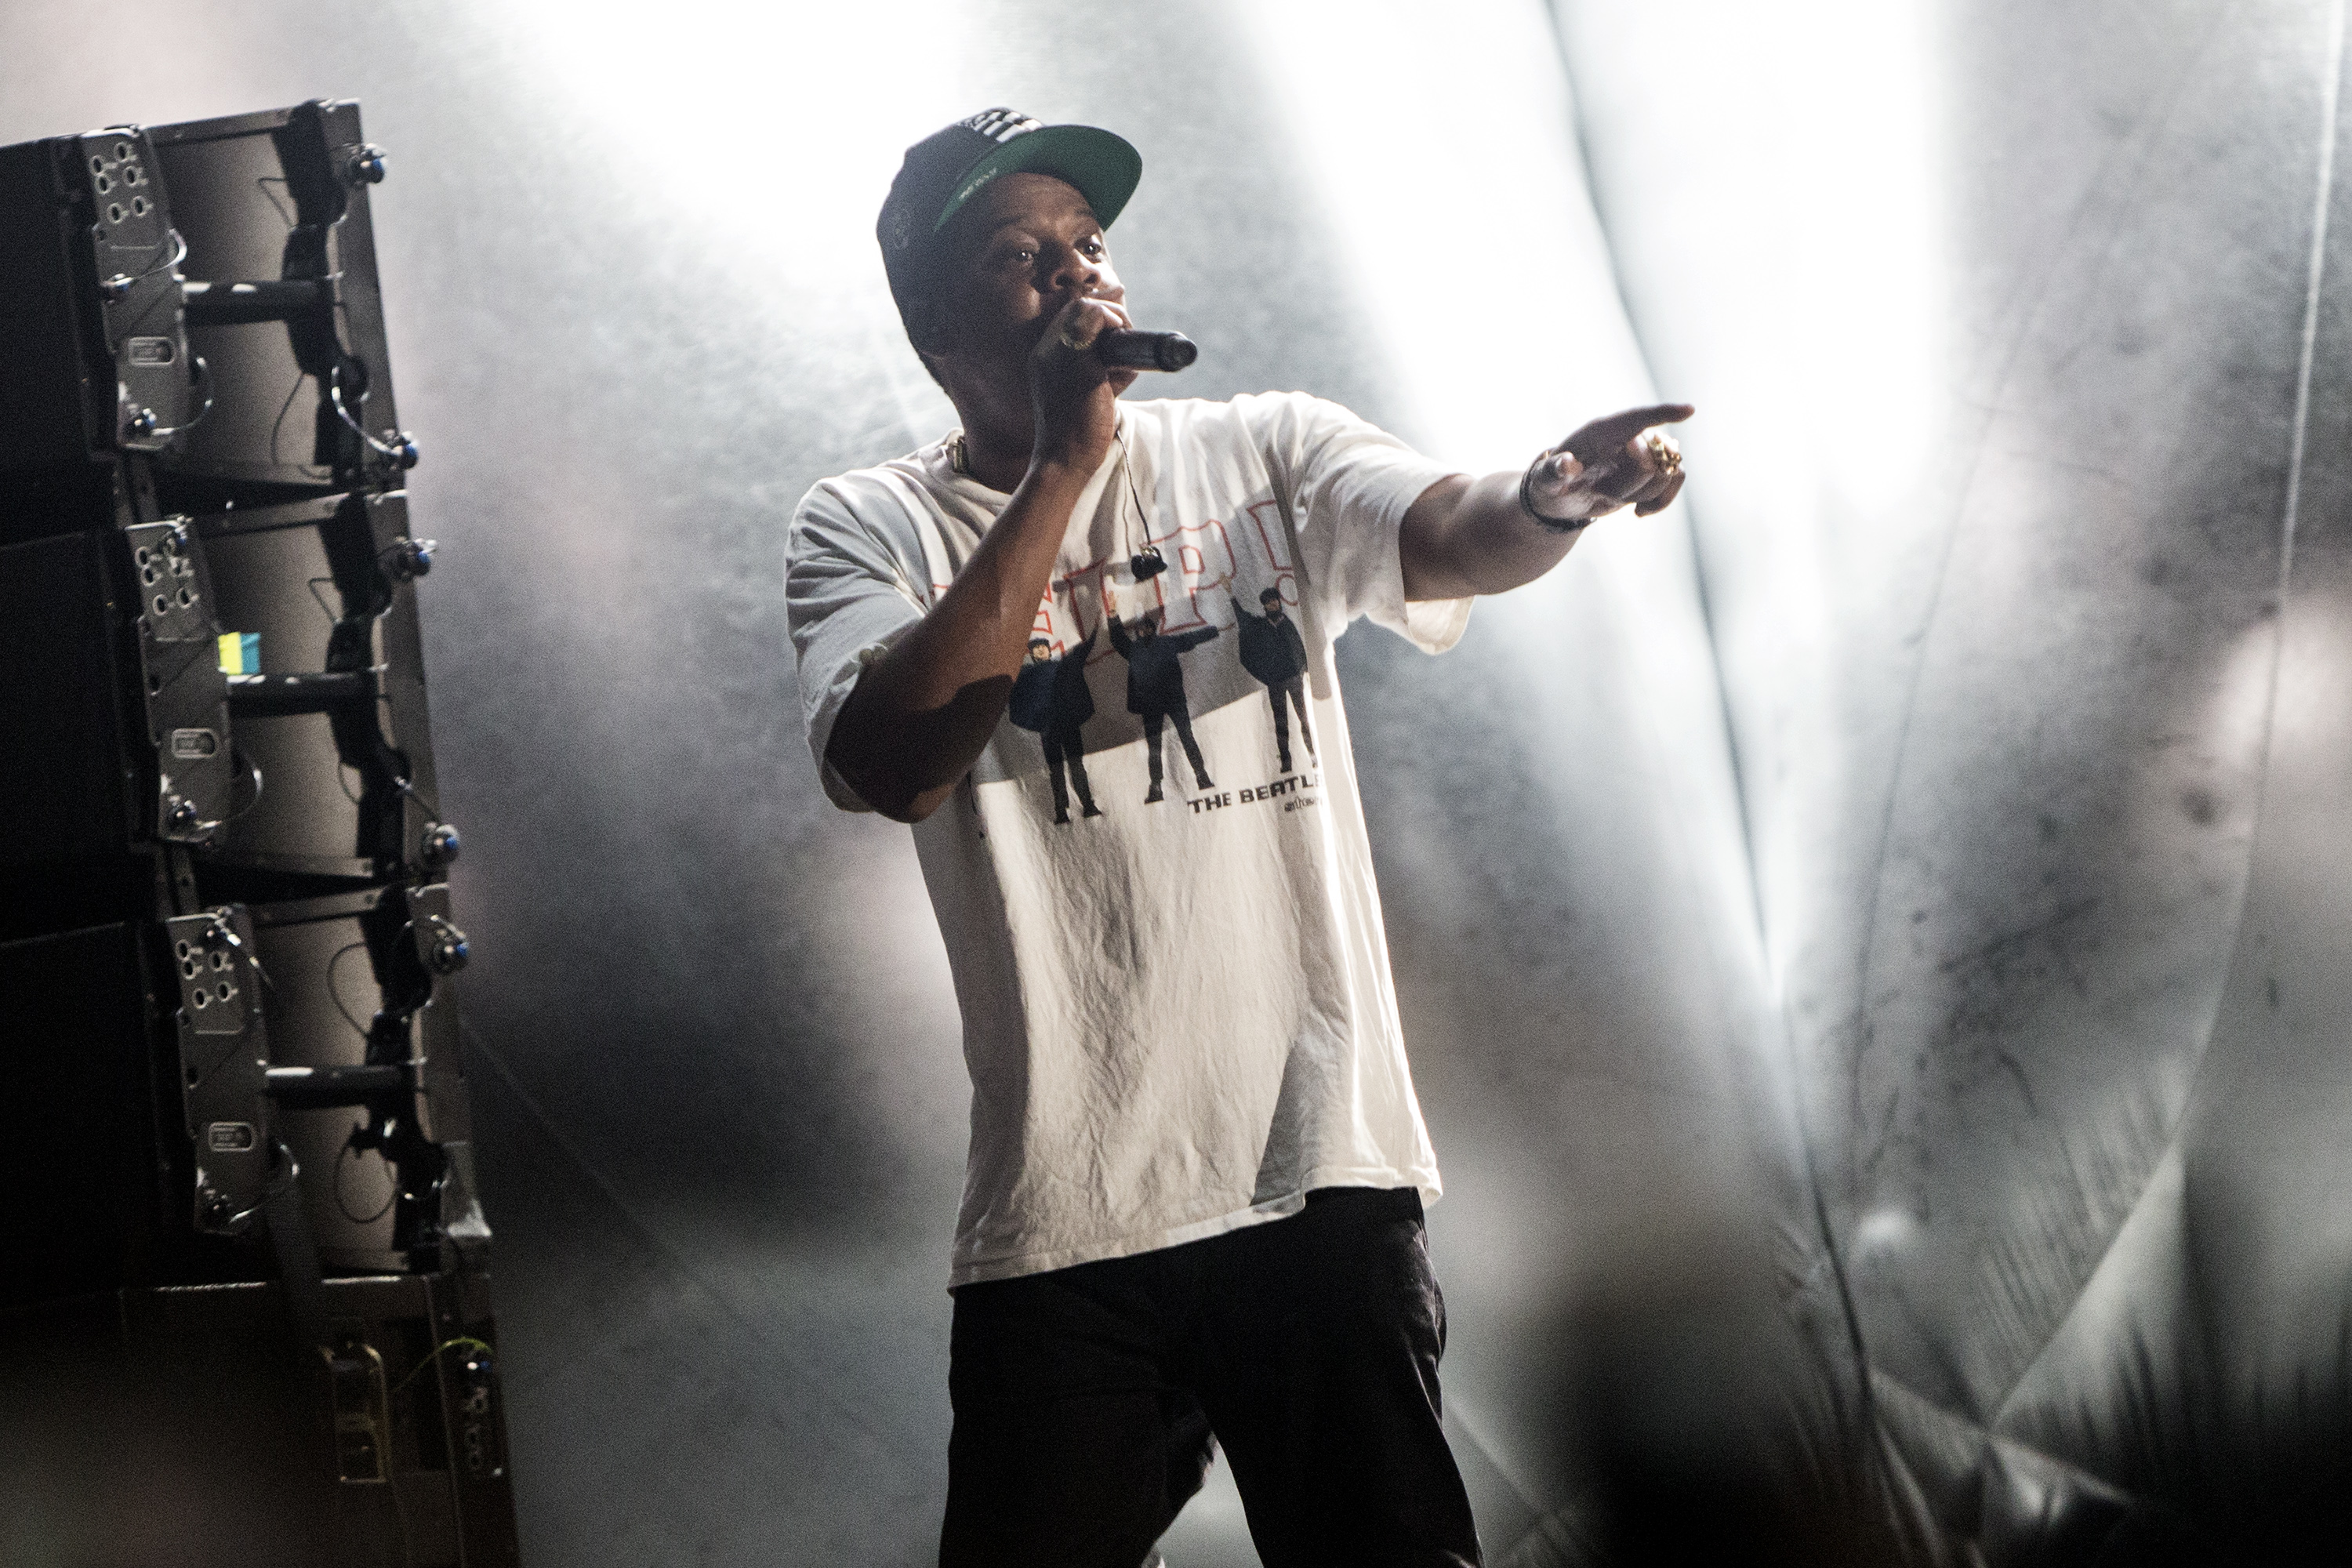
(1050, 700)
(1273, 650)
(1155, 691)
(1194, 1198)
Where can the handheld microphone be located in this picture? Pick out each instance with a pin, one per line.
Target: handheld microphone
(1146, 350)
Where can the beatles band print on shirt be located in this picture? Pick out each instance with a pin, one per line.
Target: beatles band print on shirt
(1053, 701)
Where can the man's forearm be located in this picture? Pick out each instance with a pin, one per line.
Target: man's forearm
(922, 713)
(1469, 536)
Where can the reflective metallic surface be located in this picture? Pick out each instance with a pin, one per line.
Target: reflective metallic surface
(1910, 866)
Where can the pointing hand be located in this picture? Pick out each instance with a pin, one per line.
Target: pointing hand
(1609, 463)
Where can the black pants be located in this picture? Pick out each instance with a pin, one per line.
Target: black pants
(1153, 719)
(1085, 1398)
(1294, 689)
(1065, 746)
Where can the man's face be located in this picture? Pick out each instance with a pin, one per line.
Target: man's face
(1149, 627)
(1273, 603)
(1023, 248)
(1038, 650)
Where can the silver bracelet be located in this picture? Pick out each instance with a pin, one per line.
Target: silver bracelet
(1528, 503)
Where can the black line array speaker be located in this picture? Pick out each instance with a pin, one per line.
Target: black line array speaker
(228, 953)
(347, 785)
(172, 1427)
(274, 211)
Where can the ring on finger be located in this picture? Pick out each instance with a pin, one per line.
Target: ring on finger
(1664, 454)
(1070, 342)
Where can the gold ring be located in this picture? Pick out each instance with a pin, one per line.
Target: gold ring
(1070, 342)
(1663, 452)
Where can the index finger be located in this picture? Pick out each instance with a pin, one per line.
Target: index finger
(1602, 440)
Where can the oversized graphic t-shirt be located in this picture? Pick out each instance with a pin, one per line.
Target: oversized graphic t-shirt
(1155, 885)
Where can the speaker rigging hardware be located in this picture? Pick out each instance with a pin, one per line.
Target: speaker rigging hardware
(144, 425)
(395, 447)
(224, 1056)
(344, 566)
(295, 302)
(226, 622)
(119, 285)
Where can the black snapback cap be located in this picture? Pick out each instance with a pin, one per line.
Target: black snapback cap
(947, 168)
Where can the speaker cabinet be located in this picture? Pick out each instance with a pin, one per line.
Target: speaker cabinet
(88, 1161)
(283, 304)
(115, 718)
(141, 1145)
(195, 1427)
(354, 980)
(324, 587)
(227, 957)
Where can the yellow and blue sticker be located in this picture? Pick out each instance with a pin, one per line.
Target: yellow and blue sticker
(240, 653)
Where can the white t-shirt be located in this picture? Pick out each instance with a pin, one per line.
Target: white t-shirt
(1178, 1015)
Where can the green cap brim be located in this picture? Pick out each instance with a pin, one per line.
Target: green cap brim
(1104, 168)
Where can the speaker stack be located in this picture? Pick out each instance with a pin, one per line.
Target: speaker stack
(228, 956)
